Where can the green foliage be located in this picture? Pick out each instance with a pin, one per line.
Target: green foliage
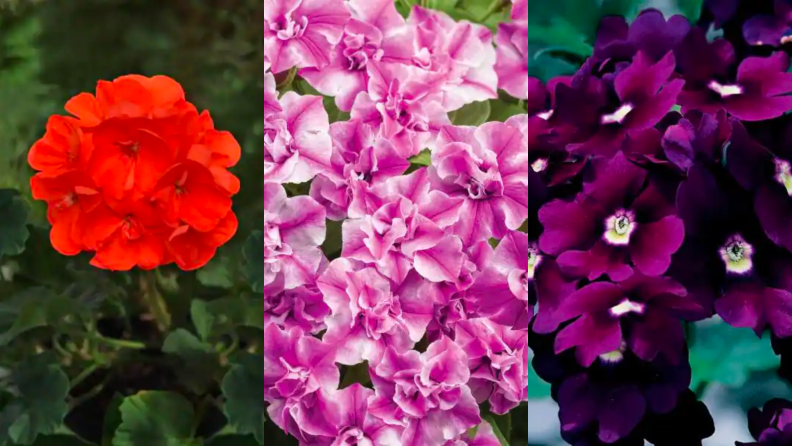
(690, 8)
(473, 114)
(727, 355)
(254, 258)
(12, 225)
(155, 418)
(537, 387)
(40, 406)
(243, 387)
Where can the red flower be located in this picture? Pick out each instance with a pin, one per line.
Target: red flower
(137, 175)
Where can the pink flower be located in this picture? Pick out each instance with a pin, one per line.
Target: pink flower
(512, 63)
(501, 290)
(293, 230)
(426, 393)
(302, 33)
(296, 365)
(400, 105)
(498, 361)
(458, 55)
(376, 32)
(302, 307)
(368, 315)
(488, 167)
(356, 425)
(396, 238)
(359, 159)
(485, 436)
(271, 104)
(297, 144)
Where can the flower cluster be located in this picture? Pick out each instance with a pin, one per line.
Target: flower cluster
(660, 189)
(136, 176)
(426, 320)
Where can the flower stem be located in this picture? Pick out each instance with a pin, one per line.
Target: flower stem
(84, 375)
(154, 300)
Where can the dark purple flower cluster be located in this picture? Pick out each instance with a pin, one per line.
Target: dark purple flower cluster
(659, 194)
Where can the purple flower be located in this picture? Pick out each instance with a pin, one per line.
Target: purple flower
(359, 159)
(615, 224)
(401, 106)
(769, 175)
(458, 56)
(698, 136)
(771, 425)
(296, 365)
(649, 33)
(488, 167)
(297, 144)
(727, 255)
(426, 393)
(605, 111)
(397, 237)
(501, 291)
(498, 362)
(759, 91)
(376, 32)
(302, 307)
(641, 313)
(369, 315)
(485, 436)
(770, 29)
(302, 33)
(294, 228)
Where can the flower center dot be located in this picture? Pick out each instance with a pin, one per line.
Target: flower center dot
(618, 116)
(783, 175)
(539, 165)
(725, 90)
(736, 254)
(619, 227)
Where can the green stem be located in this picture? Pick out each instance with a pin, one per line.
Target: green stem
(87, 395)
(154, 300)
(288, 80)
(199, 415)
(234, 345)
(59, 348)
(84, 375)
(122, 343)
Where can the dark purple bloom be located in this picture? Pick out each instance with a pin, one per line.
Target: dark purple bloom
(771, 425)
(606, 110)
(758, 92)
(615, 224)
(698, 136)
(770, 29)
(727, 255)
(641, 313)
(649, 33)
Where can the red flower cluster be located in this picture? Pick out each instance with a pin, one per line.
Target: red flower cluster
(138, 176)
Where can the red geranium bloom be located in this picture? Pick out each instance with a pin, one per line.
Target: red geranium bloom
(137, 175)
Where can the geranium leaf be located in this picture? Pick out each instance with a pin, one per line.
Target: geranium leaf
(233, 440)
(40, 406)
(13, 220)
(202, 319)
(198, 365)
(254, 258)
(155, 418)
(243, 387)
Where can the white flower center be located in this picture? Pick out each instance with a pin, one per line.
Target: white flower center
(725, 90)
(534, 259)
(619, 227)
(627, 306)
(736, 254)
(783, 175)
(618, 116)
(545, 115)
(539, 165)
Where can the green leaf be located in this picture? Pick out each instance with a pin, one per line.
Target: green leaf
(155, 418)
(442, 5)
(728, 355)
(422, 159)
(562, 35)
(202, 318)
(537, 387)
(233, 440)
(217, 273)
(13, 220)
(199, 363)
(40, 406)
(332, 243)
(59, 440)
(31, 308)
(474, 114)
(690, 8)
(501, 111)
(243, 386)
(232, 312)
(112, 419)
(253, 253)
(358, 373)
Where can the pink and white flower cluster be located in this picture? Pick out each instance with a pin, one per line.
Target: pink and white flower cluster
(418, 294)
